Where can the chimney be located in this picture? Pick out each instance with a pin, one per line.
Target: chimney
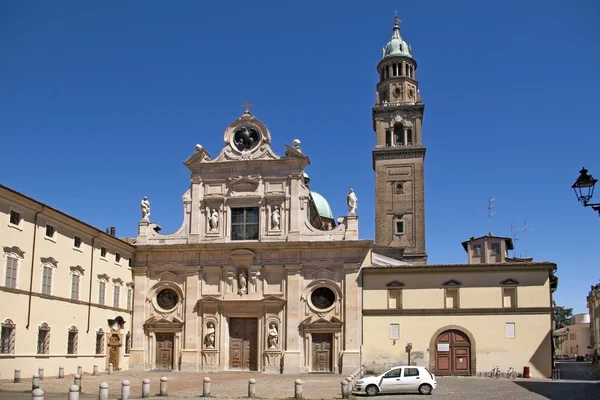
(112, 231)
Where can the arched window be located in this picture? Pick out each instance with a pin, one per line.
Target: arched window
(72, 341)
(43, 344)
(399, 135)
(100, 341)
(7, 345)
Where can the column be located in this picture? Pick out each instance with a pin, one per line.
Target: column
(137, 353)
(292, 358)
(194, 236)
(351, 347)
(189, 354)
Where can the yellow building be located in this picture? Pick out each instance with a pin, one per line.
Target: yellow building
(66, 291)
(574, 339)
(460, 319)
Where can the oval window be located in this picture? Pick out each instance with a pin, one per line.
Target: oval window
(322, 298)
(167, 299)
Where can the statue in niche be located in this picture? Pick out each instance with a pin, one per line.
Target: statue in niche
(275, 218)
(273, 335)
(213, 221)
(209, 338)
(145, 205)
(242, 283)
(352, 202)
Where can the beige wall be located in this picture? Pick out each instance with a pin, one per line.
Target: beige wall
(58, 309)
(575, 342)
(481, 312)
(530, 347)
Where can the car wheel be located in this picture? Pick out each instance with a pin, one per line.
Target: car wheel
(371, 390)
(425, 389)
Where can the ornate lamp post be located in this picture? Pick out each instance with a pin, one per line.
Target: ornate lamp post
(584, 189)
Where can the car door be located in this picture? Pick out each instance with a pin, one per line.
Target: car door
(390, 381)
(411, 379)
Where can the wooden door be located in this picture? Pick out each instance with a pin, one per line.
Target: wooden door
(452, 354)
(164, 351)
(321, 352)
(243, 333)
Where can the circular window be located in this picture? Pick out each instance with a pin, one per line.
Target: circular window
(245, 138)
(167, 299)
(322, 298)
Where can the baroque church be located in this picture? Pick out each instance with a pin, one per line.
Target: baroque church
(261, 276)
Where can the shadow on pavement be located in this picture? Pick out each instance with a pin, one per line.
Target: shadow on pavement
(558, 390)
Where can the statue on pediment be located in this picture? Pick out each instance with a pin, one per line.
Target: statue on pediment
(145, 205)
(352, 202)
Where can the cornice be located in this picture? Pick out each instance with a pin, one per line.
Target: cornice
(458, 311)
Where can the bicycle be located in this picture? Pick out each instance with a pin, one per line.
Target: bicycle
(511, 373)
(496, 372)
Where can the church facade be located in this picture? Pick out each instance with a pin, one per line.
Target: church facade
(259, 277)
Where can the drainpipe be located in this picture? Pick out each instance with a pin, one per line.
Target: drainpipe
(32, 266)
(91, 281)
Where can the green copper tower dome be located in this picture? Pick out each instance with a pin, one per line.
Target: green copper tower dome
(396, 46)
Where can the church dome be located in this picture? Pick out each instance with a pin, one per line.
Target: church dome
(397, 46)
(322, 205)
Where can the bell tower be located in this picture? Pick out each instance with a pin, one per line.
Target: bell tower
(398, 155)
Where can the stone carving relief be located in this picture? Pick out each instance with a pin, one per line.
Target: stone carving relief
(209, 338)
(145, 206)
(352, 202)
(273, 338)
(275, 218)
(213, 221)
(242, 283)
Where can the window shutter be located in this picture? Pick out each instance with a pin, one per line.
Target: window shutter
(75, 288)
(11, 272)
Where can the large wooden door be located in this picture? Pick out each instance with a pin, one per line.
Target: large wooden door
(452, 354)
(321, 352)
(164, 351)
(243, 344)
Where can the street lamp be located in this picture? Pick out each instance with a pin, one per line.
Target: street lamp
(584, 189)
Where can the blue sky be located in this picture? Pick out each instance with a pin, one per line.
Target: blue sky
(101, 102)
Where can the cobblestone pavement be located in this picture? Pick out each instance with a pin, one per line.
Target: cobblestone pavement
(234, 385)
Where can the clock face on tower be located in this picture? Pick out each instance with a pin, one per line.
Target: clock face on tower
(245, 138)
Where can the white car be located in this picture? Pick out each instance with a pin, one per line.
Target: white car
(396, 380)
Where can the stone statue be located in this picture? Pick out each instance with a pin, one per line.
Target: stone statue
(209, 338)
(273, 334)
(242, 284)
(352, 202)
(145, 209)
(275, 218)
(213, 221)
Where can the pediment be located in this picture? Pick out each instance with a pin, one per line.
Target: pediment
(167, 276)
(199, 156)
(77, 268)
(323, 273)
(118, 281)
(274, 299)
(509, 281)
(294, 152)
(14, 250)
(242, 254)
(103, 277)
(309, 324)
(49, 260)
(156, 323)
(451, 282)
(395, 284)
(207, 298)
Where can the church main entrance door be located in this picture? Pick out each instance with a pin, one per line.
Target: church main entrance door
(164, 351)
(321, 352)
(452, 353)
(242, 344)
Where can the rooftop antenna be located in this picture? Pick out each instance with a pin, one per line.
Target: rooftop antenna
(490, 213)
(514, 233)
(526, 229)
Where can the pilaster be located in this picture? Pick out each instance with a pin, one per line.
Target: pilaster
(292, 356)
(196, 189)
(352, 319)
(137, 354)
(189, 355)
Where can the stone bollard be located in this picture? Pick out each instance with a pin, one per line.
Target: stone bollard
(35, 382)
(41, 373)
(74, 392)
(125, 389)
(17, 376)
(252, 387)
(110, 368)
(80, 370)
(61, 372)
(298, 389)
(206, 387)
(145, 388)
(37, 394)
(103, 392)
(345, 392)
(163, 386)
(77, 381)
(95, 370)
